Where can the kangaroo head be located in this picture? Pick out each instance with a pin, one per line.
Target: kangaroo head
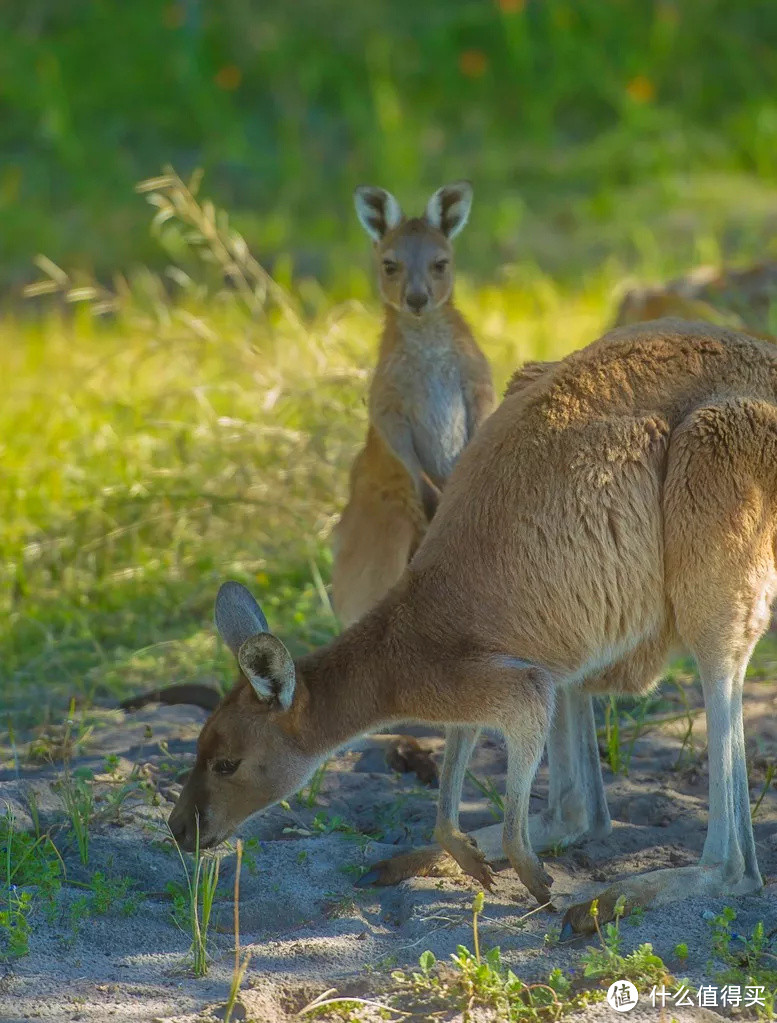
(415, 255)
(248, 756)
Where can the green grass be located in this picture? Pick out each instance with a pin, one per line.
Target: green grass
(29, 865)
(203, 428)
(749, 960)
(182, 440)
(480, 979)
(197, 905)
(585, 126)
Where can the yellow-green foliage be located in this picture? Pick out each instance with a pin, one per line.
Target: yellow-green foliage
(194, 432)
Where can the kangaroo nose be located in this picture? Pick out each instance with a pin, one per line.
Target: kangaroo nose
(179, 829)
(417, 300)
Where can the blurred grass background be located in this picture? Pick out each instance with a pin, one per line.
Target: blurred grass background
(592, 129)
(191, 434)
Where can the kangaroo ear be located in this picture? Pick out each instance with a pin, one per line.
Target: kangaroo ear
(238, 616)
(448, 209)
(268, 666)
(378, 211)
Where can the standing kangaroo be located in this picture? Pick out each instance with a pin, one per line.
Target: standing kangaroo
(617, 508)
(430, 391)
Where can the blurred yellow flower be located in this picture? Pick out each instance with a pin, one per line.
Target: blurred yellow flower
(511, 6)
(473, 63)
(228, 77)
(641, 89)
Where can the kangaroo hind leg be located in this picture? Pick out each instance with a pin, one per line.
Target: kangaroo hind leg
(720, 509)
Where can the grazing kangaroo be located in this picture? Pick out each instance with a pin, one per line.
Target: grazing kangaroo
(745, 299)
(430, 391)
(616, 508)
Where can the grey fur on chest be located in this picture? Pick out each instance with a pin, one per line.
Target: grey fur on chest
(435, 408)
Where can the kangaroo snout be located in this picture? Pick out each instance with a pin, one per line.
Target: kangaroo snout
(188, 824)
(182, 827)
(417, 301)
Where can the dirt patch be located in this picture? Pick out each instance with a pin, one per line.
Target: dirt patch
(307, 925)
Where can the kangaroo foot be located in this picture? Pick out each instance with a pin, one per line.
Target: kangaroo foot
(428, 861)
(472, 860)
(656, 888)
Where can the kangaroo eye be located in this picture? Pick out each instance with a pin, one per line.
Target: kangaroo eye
(440, 266)
(389, 267)
(226, 767)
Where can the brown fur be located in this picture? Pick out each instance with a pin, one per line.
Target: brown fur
(619, 504)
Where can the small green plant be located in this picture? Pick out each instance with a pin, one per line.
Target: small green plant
(309, 796)
(750, 961)
(78, 797)
(15, 925)
(241, 963)
(27, 861)
(28, 858)
(59, 742)
(605, 964)
(121, 789)
(78, 911)
(179, 912)
(620, 724)
(771, 771)
(201, 884)
(108, 893)
(250, 849)
(323, 824)
(486, 983)
(487, 788)
(612, 735)
(689, 717)
(681, 950)
(477, 979)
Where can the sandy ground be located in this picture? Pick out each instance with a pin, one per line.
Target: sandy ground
(306, 924)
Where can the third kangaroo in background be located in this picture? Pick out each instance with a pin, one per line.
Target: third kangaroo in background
(431, 389)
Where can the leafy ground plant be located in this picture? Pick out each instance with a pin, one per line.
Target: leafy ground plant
(476, 979)
(108, 893)
(481, 980)
(750, 960)
(606, 963)
(103, 895)
(30, 863)
(15, 925)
